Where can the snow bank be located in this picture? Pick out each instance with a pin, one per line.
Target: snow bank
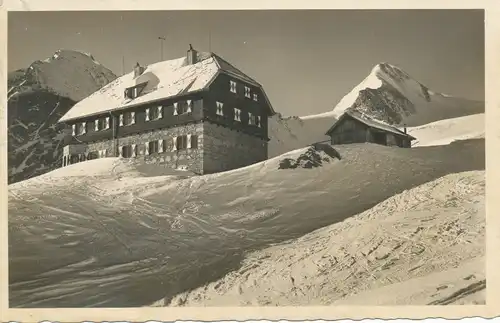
(133, 236)
(403, 251)
(446, 131)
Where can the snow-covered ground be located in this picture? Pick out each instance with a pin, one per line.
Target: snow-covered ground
(113, 233)
(425, 245)
(446, 131)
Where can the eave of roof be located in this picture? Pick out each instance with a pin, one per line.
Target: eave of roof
(372, 124)
(222, 67)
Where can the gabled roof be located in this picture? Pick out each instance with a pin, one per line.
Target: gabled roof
(176, 78)
(370, 122)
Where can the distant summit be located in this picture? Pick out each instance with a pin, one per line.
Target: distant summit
(387, 94)
(391, 95)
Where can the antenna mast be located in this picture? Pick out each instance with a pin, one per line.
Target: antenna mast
(209, 40)
(161, 47)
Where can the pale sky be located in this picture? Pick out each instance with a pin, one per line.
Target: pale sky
(306, 60)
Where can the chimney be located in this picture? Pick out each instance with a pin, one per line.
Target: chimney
(138, 70)
(404, 129)
(191, 55)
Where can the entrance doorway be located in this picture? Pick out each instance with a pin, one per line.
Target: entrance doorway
(380, 138)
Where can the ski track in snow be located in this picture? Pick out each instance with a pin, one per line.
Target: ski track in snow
(425, 245)
(88, 236)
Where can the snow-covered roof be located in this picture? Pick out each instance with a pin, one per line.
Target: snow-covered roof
(371, 122)
(173, 78)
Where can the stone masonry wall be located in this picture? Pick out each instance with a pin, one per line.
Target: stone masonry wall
(226, 149)
(219, 148)
(190, 158)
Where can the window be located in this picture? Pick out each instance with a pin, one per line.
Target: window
(232, 86)
(100, 124)
(152, 147)
(247, 92)
(251, 119)
(183, 107)
(127, 118)
(258, 122)
(103, 153)
(154, 113)
(126, 151)
(220, 109)
(255, 97)
(131, 92)
(79, 129)
(181, 142)
(193, 141)
(237, 114)
(186, 142)
(92, 155)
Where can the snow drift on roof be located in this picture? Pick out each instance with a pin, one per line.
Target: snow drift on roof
(176, 77)
(369, 121)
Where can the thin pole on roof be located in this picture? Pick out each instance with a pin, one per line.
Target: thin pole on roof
(209, 40)
(161, 46)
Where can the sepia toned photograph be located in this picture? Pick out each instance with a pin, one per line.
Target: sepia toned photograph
(246, 158)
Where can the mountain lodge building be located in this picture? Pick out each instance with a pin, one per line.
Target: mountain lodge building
(196, 112)
(355, 127)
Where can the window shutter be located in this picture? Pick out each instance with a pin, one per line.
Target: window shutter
(190, 105)
(121, 119)
(160, 112)
(134, 150)
(175, 144)
(175, 109)
(84, 127)
(147, 114)
(146, 148)
(160, 146)
(120, 150)
(107, 122)
(96, 125)
(132, 117)
(188, 144)
(74, 129)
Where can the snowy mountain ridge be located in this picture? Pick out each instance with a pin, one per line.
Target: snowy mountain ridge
(390, 94)
(387, 94)
(37, 97)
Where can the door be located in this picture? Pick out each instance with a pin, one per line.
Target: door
(380, 138)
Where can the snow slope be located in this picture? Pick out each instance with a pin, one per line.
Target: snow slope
(391, 95)
(446, 131)
(110, 233)
(37, 97)
(418, 247)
